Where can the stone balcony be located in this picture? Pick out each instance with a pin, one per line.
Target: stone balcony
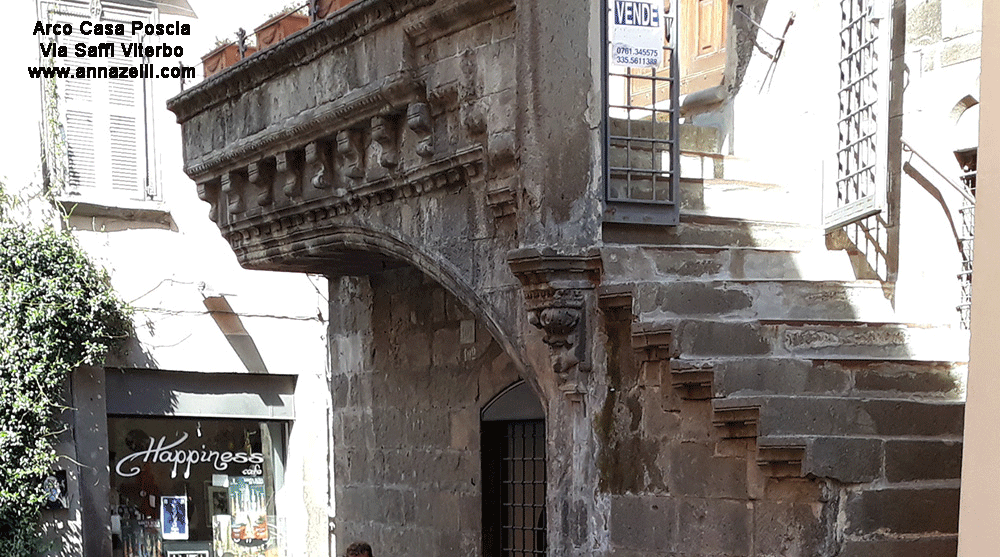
(342, 148)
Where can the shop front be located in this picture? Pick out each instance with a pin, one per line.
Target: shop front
(198, 469)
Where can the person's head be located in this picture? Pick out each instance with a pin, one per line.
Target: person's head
(359, 549)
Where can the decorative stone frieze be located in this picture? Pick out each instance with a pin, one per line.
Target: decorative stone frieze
(560, 301)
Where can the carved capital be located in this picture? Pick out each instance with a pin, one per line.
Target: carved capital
(559, 298)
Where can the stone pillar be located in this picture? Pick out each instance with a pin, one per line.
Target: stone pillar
(558, 122)
(561, 303)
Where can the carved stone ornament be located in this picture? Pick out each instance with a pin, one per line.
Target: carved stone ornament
(319, 168)
(233, 185)
(261, 174)
(287, 169)
(559, 297)
(385, 136)
(418, 118)
(349, 149)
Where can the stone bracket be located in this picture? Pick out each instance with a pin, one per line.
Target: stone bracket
(560, 300)
(418, 118)
(261, 175)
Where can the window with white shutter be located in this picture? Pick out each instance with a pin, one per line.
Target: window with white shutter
(103, 121)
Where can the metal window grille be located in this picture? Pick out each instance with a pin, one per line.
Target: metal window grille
(858, 127)
(522, 521)
(967, 159)
(641, 155)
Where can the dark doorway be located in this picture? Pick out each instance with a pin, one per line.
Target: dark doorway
(513, 453)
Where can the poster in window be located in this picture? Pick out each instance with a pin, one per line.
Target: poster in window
(248, 509)
(141, 538)
(174, 517)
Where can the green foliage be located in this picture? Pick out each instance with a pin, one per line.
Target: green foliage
(57, 312)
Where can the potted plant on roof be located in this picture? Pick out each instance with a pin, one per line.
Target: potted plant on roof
(225, 54)
(281, 25)
(327, 7)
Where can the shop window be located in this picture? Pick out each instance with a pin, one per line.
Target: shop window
(514, 475)
(195, 487)
(98, 145)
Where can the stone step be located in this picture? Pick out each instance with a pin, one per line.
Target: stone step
(656, 263)
(859, 378)
(814, 340)
(706, 231)
(790, 300)
(785, 416)
(939, 545)
(705, 192)
(898, 513)
(872, 459)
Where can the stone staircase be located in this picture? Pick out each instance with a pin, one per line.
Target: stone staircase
(764, 323)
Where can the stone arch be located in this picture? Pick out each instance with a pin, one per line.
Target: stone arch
(370, 240)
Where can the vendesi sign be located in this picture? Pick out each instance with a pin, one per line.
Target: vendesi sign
(637, 33)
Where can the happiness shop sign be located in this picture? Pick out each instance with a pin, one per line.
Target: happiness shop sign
(183, 458)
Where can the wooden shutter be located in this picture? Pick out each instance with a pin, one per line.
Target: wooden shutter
(103, 118)
(703, 43)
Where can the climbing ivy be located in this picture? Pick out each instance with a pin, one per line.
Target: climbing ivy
(57, 312)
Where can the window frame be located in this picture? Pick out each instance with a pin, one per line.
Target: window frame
(147, 193)
(631, 210)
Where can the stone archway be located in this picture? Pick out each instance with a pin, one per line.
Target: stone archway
(411, 367)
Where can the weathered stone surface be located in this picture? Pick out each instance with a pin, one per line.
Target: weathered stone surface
(903, 511)
(714, 527)
(788, 530)
(644, 523)
(712, 338)
(929, 459)
(695, 471)
(845, 459)
(778, 376)
(942, 546)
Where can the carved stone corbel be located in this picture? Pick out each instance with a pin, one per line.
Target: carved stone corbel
(233, 186)
(319, 165)
(349, 149)
(418, 118)
(385, 135)
(559, 297)
(261, 175)
(209, 192)
(287, 173)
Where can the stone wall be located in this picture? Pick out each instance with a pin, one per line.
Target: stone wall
(412, 369)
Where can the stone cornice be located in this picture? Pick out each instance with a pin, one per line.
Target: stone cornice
(390, 94)
(454, 17)
(249, 235)
(358, 19)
